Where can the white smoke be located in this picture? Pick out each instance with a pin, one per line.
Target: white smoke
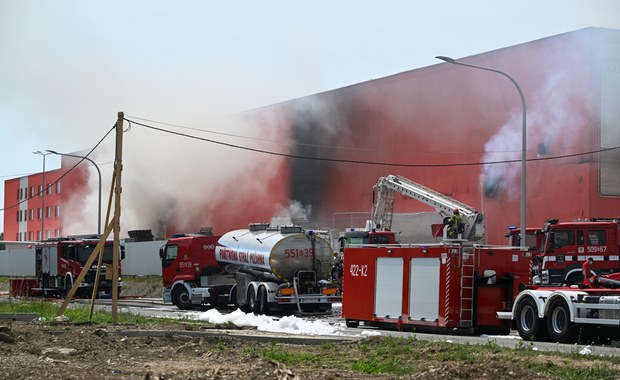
(552, 120)
(293, 213)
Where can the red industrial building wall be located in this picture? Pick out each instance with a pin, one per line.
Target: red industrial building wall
(63, 194)
(433, 125)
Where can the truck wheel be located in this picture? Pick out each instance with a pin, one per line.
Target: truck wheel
(574, 279)
(560, 328)
(263, 303)
(181, 297)
(352, 323)
(529, 326)
(252, 300)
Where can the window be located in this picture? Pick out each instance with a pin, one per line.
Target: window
(39, 213)
(40, 193)
(57, 211)
(48, 190)
(57, 232)
(563, 239)
(19, 194)
(30, 235)
(596, 237)
(39, 235)
(171, 252)
(48, 212)
(17, 216)
(58, 187)
(31, 214)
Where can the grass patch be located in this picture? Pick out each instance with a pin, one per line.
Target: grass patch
(151, 280)
(382, 365)
(408, 356)
(78, 313)
(290, 357)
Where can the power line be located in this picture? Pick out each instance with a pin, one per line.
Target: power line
(248, 137)
(368, 162)
(61, 177)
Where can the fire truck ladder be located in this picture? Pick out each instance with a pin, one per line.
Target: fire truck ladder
(383, 209)
(467, 287)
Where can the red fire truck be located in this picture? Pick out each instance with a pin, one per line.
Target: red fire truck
(58, 262)
(560, 249)
(432, 287)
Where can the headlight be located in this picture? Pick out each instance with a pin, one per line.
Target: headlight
(544, 277)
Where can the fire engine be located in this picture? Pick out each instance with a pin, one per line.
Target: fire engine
(560, 248)
(452, 285)
(460, 287)
(259, 269)
(58, 262)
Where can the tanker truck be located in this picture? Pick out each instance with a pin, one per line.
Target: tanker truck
(261, 269)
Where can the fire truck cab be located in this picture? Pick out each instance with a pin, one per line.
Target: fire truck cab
(560, 249)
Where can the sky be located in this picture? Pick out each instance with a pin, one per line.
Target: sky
(68, 67)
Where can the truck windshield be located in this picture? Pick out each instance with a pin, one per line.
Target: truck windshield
(84, 252)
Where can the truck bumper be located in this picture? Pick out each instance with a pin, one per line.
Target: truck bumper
(166, 295)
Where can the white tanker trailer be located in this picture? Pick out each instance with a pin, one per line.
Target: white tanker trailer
(278, 268)
(258, 269)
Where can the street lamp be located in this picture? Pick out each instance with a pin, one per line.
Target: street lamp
(42, 195)
(523, 136)
(98, 172)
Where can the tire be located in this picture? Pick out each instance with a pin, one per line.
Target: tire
(253, 305)
(574, 279)
(559, 325)
(352, 323)
(529, 325)
(181, 298)
(262, 302)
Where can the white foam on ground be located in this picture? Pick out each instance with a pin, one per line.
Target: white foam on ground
(288, 324)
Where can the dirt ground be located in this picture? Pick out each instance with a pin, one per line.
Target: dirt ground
(59, 350)
(62, 351)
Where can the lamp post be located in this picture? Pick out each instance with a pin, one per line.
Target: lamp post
(98, 172)
(42, 195)
(523, 136)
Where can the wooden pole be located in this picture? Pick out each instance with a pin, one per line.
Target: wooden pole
(118, 168)
(107, 221)
(114, 226)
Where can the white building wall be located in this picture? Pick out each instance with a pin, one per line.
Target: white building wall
(142, 258)
(17, 262)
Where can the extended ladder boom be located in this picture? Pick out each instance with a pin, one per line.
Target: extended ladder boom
(444, 205)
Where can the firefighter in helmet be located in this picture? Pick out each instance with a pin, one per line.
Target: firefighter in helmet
(455, 224)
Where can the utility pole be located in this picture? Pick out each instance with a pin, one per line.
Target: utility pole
(113, 226)
(118, 168)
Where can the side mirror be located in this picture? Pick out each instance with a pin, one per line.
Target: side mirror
(162, 252)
